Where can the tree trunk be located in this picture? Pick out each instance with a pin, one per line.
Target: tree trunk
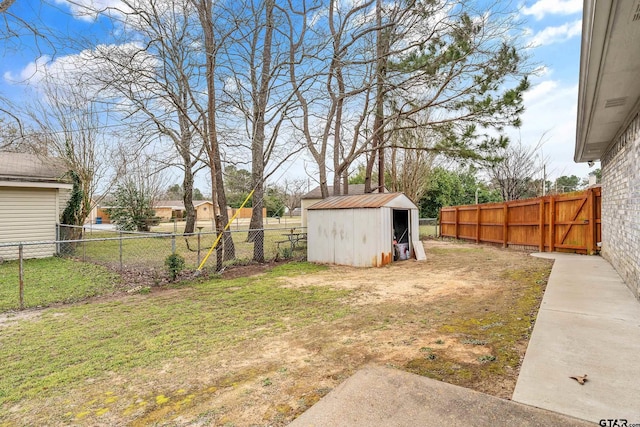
(371, 159)
(378, 137)
(190, 211)
(336, 184)
(257, 148)
(322, 166)
(223, 218)
(345, 182)
(213, 149)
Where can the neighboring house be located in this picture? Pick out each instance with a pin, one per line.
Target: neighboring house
(99, 214)
(168, 209)
(244, 213)
(315, 195)
(33, 195)
(608, 127)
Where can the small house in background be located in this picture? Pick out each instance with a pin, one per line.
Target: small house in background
(315, 195)
(33, 194)
(99, 212)
(170, 209)
(369, 230)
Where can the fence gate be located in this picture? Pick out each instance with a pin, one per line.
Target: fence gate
(561, 222)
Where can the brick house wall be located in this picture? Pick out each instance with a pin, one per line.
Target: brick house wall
(621, 204)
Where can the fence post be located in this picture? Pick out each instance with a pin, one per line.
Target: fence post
(456, 223)
(552, 224)
(477, 224)
(199, 231)
(84, 249)
(505, 225)
(21, 276)
(173, 243)
(219, 250)
(541, 248)
(591, 232)
(120, 250)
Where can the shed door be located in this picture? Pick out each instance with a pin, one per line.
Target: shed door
(28, 214)
(401, 234)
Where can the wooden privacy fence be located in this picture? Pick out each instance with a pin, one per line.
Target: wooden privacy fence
(560, 222)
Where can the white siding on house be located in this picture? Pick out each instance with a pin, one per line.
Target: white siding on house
(27, 215)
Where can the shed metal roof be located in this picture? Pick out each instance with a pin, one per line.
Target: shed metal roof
(372, 200)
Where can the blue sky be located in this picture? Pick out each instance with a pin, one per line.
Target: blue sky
(552, 27)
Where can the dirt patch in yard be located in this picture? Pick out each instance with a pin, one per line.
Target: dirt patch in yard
(463, 316)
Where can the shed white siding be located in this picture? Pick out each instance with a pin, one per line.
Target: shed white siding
(357, 236)
(340, 235)
(28, 215)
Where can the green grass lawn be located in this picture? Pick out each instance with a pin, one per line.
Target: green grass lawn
(237, 224)
(52, 280)
(63, 347)
(428, 230)
(151, 252)
(259, 350)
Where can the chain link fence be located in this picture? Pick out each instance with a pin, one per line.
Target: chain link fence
(47, 268)
(429, 227)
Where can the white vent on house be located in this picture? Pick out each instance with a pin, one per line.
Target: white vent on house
(635, 12)
(615, 102)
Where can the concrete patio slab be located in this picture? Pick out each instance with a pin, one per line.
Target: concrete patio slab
(588, 323)
(376, 396)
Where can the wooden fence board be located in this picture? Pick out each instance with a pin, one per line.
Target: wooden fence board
(561, 222)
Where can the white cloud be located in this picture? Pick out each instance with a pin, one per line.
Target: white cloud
(542, 71)
(539, 91)
(550, 115)
(553, 7)
(33, 72)
(88, 10)
(558, 34)
(84, 68)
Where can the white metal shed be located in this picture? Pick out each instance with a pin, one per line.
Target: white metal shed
(369, 230)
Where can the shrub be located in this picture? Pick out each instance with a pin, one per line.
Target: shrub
(174, 264)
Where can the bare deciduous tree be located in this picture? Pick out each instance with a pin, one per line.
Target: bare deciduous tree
(517, 169)
(293, 190)
(156, 79)
(67, 124)
(256, 97)
(136, 192)
(411, 161)
(383, 69)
